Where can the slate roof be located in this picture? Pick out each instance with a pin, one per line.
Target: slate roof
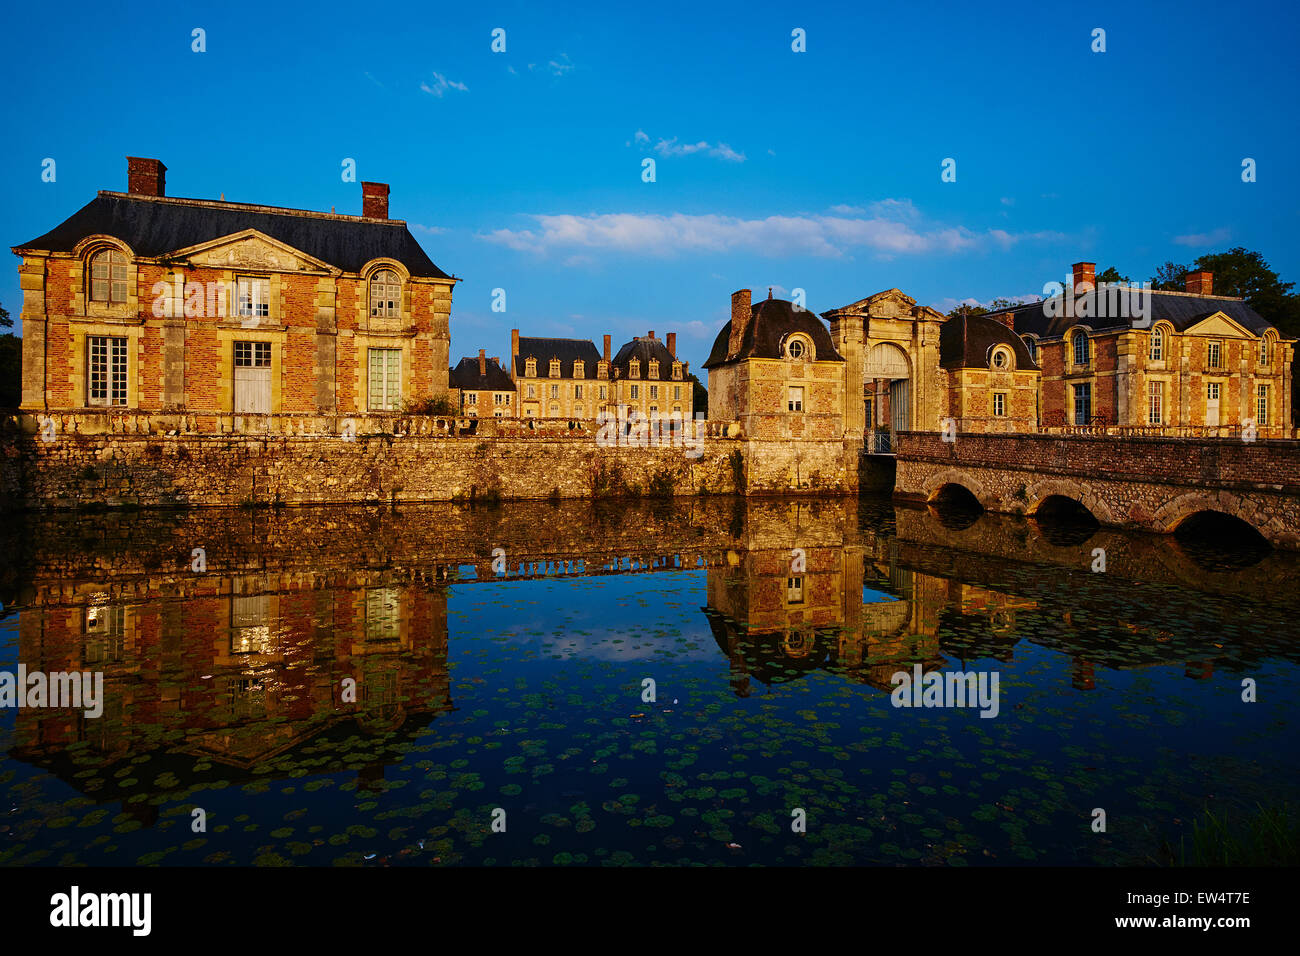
(771, 321)
(1178, 308)
(967, 342)
(466, 377)
(645, 350)
(566, 350)
(156, 226)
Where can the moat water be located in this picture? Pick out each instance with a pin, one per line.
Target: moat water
(696, 682)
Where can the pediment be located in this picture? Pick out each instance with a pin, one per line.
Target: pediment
(1219, 324)
(892, 303)
(251, 249)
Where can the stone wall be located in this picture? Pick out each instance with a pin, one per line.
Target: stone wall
(71, 460)
(1148, 483)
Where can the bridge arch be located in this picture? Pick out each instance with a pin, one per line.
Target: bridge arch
(935, 484)
(1171, 515)
(1040, 491)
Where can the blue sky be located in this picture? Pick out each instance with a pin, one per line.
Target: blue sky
(817, 170)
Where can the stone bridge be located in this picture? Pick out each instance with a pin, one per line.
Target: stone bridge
(1147, 483)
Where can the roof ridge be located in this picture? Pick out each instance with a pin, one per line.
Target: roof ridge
(248, 207)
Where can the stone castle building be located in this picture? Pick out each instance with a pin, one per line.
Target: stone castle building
(568, 378)
(148, 302)
(1164, 362)
(484, 388)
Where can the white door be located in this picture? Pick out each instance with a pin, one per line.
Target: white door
(253, 378)
(900, 417)
(1212, 405)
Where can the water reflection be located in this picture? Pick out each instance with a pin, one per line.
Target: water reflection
(319, 642)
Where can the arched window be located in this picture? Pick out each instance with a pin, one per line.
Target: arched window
(1080, 348)
(1001, 358)
(1263, 350)
(795, 349)
(385, 294)
(1157, 345)
(108, 277)
(1032, 346)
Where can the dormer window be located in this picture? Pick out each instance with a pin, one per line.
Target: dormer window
(108, 276)
(1032, 346)
(677, 370)
(602, 370)
(555, 368)
(1157, 345)
(579, 368)
(530, 368)
(654, 368)
(385, 294)
(1001, 360)
(1263, 351)
(634, 369)
(795, 350)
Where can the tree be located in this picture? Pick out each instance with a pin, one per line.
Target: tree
(11, 364)
(699, 394)
(1112, 275)
(1170, 277)
(974, 308)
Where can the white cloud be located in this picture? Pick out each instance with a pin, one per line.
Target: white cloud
(641, 136)
(670, 147)
(1008, 201)
(1211, 238)
(560, 66)
(431, 230)
(441, 85)
(828, 236)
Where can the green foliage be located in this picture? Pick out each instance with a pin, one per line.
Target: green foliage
(434, 405)
(1170, 277)
(974, 308)
(5, 321)
(1268, 837)
(11, 370)
(1112, 275)
(699, 394)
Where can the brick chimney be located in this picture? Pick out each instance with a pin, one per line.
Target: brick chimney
(1085, 275)
(1200, 283)
(374, 200)
(482, 362)
(145, 177)
(514, 349)
(672, 344)
(651, 335)
(740, 314)
(496, 360)
(607, 348)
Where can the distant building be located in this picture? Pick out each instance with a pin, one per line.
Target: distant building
(651, 379)
(147, 302)
(1159, 361)
(485, 388)
(559, 378)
